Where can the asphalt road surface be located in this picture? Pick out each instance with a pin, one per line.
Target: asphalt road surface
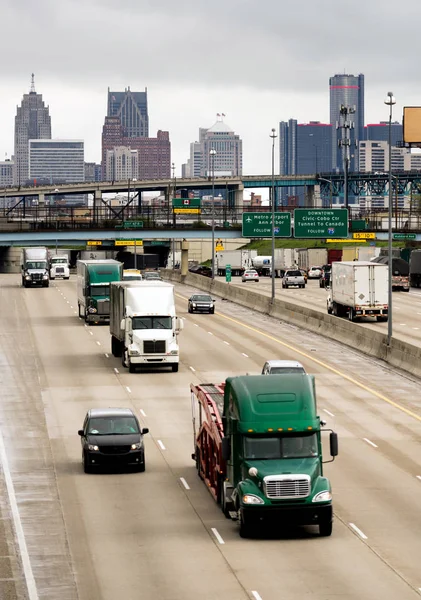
(159, 535)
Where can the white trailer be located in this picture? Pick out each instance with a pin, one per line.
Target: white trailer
(358, 289)
(311, 257)
(144, 325)
(34, 266)
(239, 260)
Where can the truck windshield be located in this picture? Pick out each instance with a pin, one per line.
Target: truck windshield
(265, 448)
(152, 323)
(59, 260)
(38, 264)
(100, 290)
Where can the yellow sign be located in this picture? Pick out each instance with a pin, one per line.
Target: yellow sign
(364, 236)
(186, 211)
(342, 241)
(128, 242)
(94, 243)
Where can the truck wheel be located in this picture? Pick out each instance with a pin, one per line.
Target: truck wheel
(224, 506)
(174, 367)
(245, 528)
(325, 528)
(123, 358)
(381, 319)
(351, 314)
(406, 289)
(197, 455)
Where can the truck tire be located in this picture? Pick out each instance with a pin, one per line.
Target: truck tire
(325, 528)
(382, 319)
(174, 367)
(115, 347)
(224, 506)
(406, 289)
(132, 368)
(245, 528)
(123, 358)
(351, 314)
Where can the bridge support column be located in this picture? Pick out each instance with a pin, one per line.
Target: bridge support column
(97, 204)
(41, 211)
(184, 257)
(239, 193)
(309, 201)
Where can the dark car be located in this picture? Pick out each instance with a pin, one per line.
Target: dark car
(201, 303)
(201, 270)
(112, 436)
(324, 280)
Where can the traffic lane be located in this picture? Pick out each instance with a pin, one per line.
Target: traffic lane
(127, 532)
(12, 585)
(27, 458)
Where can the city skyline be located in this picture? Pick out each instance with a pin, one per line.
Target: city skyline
(278, 70)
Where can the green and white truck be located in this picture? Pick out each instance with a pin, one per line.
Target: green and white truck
(93, 288)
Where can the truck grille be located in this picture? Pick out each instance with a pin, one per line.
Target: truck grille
(103, 307)
(154, 347)
(282, 487)
(59, 269)
(114, 449)
(36, 276)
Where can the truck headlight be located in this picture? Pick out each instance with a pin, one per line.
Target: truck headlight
(174, 352)
(194, 304)
(253, 472)
(325, 496)
(136, 446)
(45, 276)
(211, 305)
(133, 352)
(93, 448)
(252, 499)
(27, 277)
(92, 309)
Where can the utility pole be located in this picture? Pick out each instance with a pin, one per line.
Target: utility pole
(174, 196)
(345, 143)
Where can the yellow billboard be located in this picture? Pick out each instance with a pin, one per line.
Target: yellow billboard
(128, 242)
(362, 235)
(412, 125)
(94, 243)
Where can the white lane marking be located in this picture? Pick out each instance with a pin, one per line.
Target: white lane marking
(217, 535)
(69, 303)
(142, 412)
(106, 355)
(192, 369)
(128, 389)
(418, 313)
(26, 563)
(418, 477)
(75, 312)
(195, 324)
(86, 325)
(328, 412)
(210, 332)
(91, 333)
(244, 354)
(99, 343)
(415, 328)
(71, 306)
(256, 595)
(184, 482)
(227, 343)
(358, 531)
(370, 442)
(161, 445)
(402, 324)
(116, 370)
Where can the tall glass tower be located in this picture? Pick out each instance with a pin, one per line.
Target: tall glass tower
(346, 90)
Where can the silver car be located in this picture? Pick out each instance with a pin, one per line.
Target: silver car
(250, 275)
(282, 367)
(293, 277)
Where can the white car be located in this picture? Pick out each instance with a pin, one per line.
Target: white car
(314, 272)
(293, 277)
(250, 275)
(282, 367)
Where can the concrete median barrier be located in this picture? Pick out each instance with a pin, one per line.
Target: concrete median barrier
(401, 354)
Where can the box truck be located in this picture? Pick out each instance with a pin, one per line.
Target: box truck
(358, 289)
(34, 267)
(93, 288)
(239, 260)
(144, 325)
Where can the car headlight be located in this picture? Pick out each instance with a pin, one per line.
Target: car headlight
(325, 496)
(211, 305)
(252, 499)
(193, 303)
(93, 448)
(136, 446)
(27, 277)
(92, 309)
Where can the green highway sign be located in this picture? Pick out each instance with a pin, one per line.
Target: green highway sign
(133, 224)
(228, 273)
(320, 223)
(404, 236)
(186, 203)
(259, 225)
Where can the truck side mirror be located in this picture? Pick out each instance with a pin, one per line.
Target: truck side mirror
(179, 324)
(123, 324)
(226, 448)
(333, 439)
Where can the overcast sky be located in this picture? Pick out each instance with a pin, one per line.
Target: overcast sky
(257, 61)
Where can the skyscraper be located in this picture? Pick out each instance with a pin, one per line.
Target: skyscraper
(32, 122)
(379, 132)
(132, 110)
(346, 90)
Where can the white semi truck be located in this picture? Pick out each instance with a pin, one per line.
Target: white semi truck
(239, 261)
(59, 266)
(144, 325)
(34, 265)
(358, 289)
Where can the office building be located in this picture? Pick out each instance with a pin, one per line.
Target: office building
(374, 157)
(379, 132)
(32, 122)
(7, 169)
(93, 171)
(122, 164)
(131, 108)
(346, 90)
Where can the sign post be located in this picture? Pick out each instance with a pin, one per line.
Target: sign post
(228, 274)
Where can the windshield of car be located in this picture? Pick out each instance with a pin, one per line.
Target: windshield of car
(201, 298)
(100, 290)
(112, 426)
(293, 274)
(266, 448)
(284, 370)
(39, 264)
(151, 323)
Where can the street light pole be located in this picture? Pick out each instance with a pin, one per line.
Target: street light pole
(174, 196)
(390, 102)
(212, 155)
(273, 136)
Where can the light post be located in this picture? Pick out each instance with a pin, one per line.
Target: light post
(174, 196)
(212, 155)
(390, 102)
(273, 136)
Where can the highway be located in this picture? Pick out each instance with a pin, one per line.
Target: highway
(406, 306)
(159, 535)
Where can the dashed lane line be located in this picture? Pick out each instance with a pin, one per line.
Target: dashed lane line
(128, 389)
(217, 535)
(328, 412)
(192, 369)
(161, 445)
(184, 482)
(116, 370)
(358, 531)
(142, 412)
(370, 442)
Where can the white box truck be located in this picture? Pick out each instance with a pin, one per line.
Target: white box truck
(239, 260)
(34, 266)
(144, 325)
(358, 289)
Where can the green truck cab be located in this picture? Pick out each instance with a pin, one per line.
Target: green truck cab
(269, 457)
(93, 288)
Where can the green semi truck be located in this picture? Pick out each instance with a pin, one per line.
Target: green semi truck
(93, 288)
(258, 448)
